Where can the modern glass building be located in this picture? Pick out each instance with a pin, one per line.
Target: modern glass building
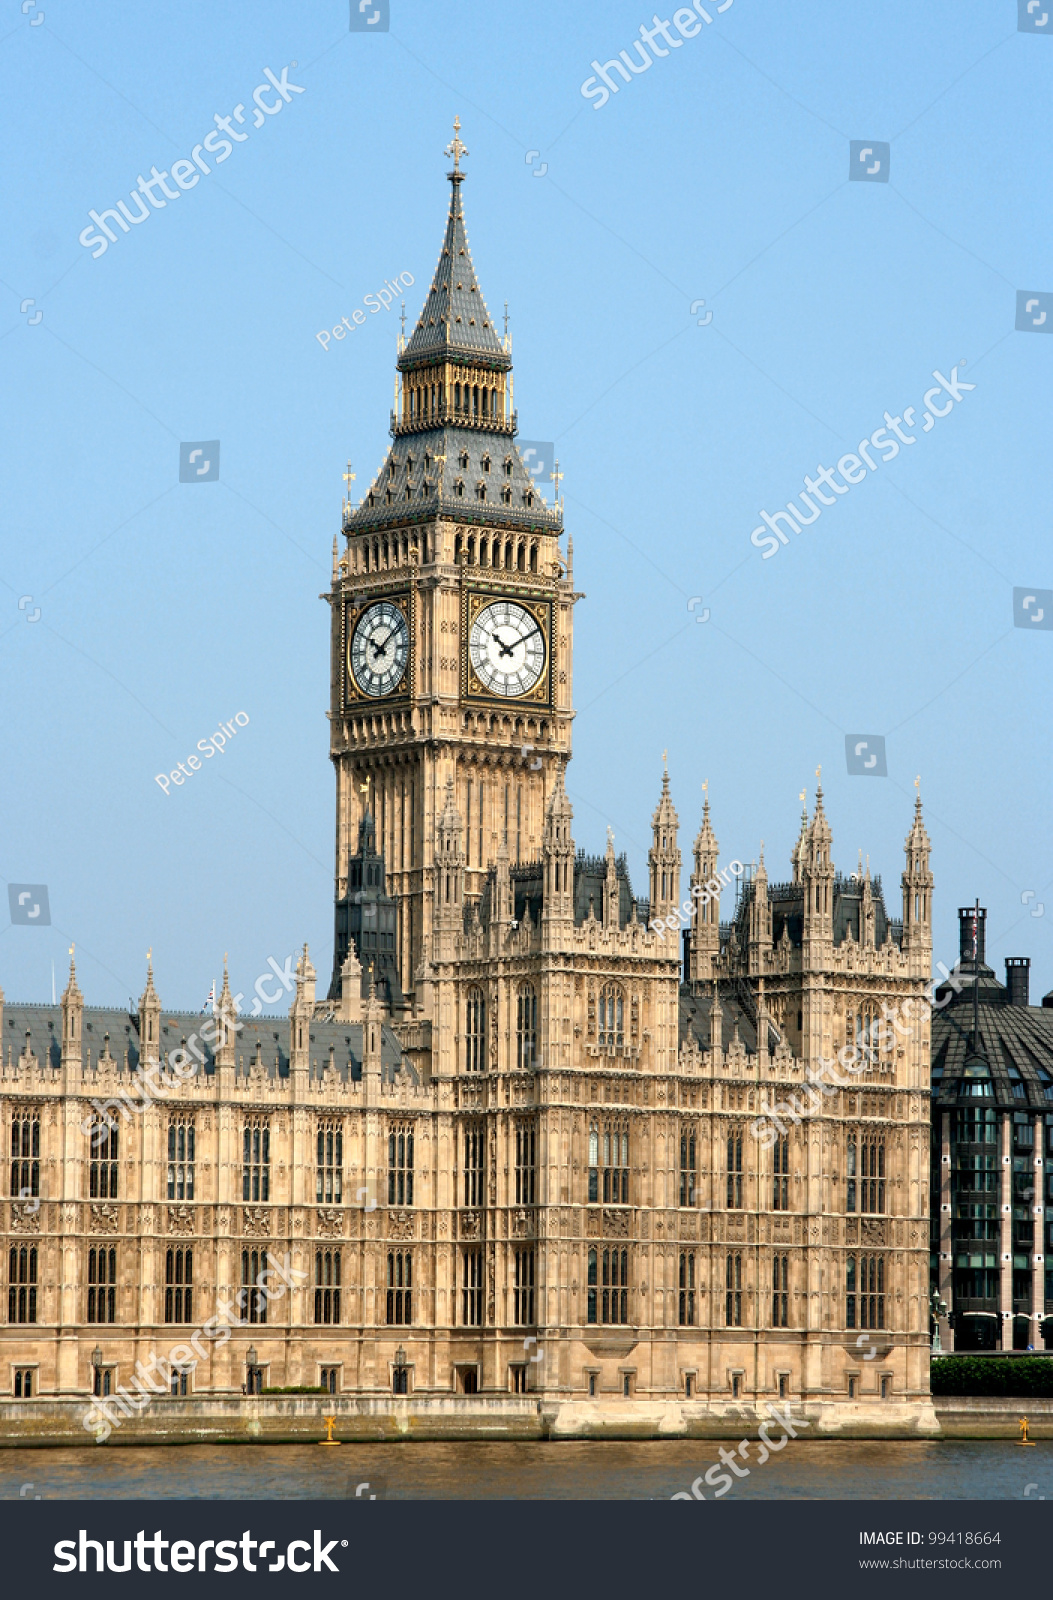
(992, 1146)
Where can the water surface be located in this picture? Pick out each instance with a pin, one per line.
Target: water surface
(586, 1470)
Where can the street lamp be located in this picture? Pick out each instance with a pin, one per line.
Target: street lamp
(937, 1309)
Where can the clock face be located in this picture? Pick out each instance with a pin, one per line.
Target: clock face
(507, 648)
(379, 649)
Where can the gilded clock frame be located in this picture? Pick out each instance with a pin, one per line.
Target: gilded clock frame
(403, 600)
(472, 688)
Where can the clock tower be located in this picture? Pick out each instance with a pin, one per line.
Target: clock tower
(452, 627)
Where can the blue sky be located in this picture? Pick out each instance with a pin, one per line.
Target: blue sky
(720, 174)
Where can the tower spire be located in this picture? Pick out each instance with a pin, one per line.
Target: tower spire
(456, 149)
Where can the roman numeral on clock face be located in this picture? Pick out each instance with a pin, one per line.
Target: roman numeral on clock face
(379, 650)
(506, 646)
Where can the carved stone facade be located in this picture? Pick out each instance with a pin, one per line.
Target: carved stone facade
(516, 1141)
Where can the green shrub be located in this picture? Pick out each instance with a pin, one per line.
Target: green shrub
(302, 1388)
(1023, 1377)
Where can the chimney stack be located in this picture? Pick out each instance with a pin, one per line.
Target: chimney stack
(966, 916)
(1017, 979)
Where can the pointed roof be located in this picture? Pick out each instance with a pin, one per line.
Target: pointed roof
(797, 853)
(149, 994)
(455, 319)
(706, 839)
(558, 804)
(224, 1006)
(917, 838)
(450, 820)
(72, 994)
(304, 968)
(665, 812)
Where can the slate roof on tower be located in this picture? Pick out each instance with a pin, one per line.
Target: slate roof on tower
(443, 462)
(455, 319)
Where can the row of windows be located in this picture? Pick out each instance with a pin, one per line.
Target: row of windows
(609, 1164)
(607, 1287)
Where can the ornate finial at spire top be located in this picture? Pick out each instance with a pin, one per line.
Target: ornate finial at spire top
(610, 835)
(557, 478)
(506, 318)
(455, 148)
(403, 319)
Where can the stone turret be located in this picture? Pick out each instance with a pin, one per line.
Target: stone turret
(917, 895)
(149, 1020)
(449, 871)
(557, 854)
(72, 1018)
(225, 1034)
(759, 949)
(663, 858)
(300, 1013)
(704, 937)
(817, 876)
(610, 884)
(799, 851)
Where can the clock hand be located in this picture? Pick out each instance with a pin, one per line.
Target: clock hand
(505, 649)
(379, 645)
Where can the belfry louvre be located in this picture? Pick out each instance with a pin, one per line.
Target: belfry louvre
(528, 1144)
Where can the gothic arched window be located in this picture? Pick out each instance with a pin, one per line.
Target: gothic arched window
(22, 1284)
(526, 1027)
(327, 1286)
(25, 1155)
(179, 1279)
(611, 1016)
(474, 1030)
(102, 1280)
(102, 1176)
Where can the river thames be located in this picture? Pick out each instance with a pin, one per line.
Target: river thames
(803, 1470)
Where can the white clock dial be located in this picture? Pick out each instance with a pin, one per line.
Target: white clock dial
(507, 648)
(379, 649)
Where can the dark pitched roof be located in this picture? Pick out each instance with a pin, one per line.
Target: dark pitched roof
(44, 1024)
(787, 911)
(1013, 1042)
(414, 464)
(454, 320)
